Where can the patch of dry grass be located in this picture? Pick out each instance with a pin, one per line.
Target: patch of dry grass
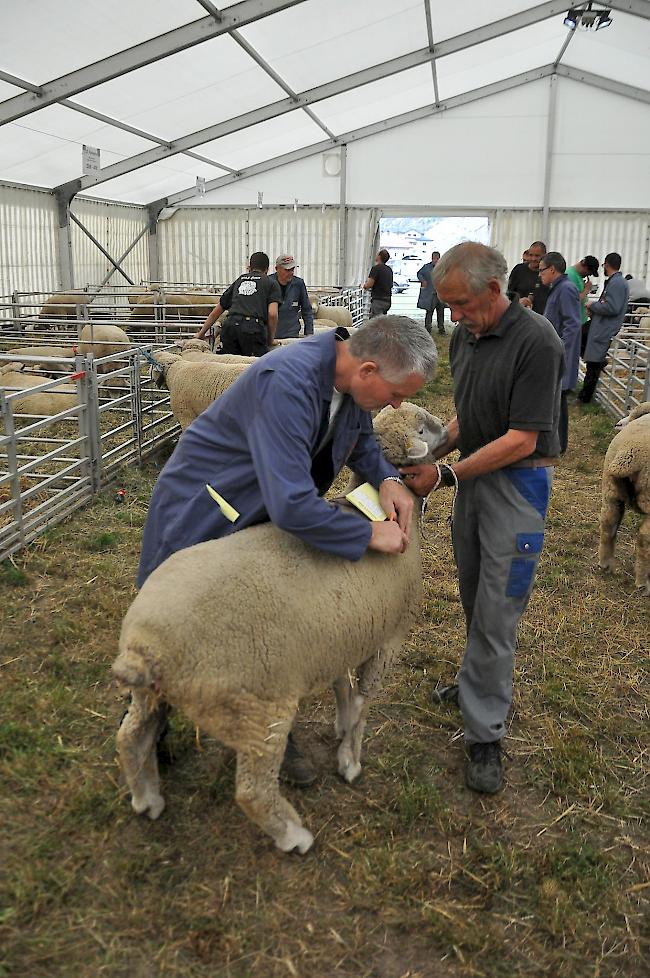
(412, 874)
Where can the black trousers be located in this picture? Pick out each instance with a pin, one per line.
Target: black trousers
(244, 336)
(563, 424)
(592, 373)
(439, 309)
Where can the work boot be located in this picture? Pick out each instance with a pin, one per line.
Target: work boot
(296, 769)
(441, 330)
(446, 695)
(484, 771)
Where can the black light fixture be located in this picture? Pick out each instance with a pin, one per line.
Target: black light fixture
(587, 18)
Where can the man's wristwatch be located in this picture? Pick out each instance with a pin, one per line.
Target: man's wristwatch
(447, 475)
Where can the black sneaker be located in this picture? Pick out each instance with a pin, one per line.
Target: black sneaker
(484, 771)
(446, 695)
(296, 769)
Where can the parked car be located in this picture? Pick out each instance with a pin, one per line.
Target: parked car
(400, 280)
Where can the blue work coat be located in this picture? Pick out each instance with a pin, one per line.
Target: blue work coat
(562, 309)
(295, 303)
(606, 318)
(254, 446)
(428, 296)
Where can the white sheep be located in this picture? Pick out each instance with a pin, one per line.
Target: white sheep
(194, 384)
(103, 340)
(62, 306)
(626, 482)
(335, 314)
(240, 666)
(19, 352)
(43, 403)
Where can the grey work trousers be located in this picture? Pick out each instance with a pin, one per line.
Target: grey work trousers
(498, 533)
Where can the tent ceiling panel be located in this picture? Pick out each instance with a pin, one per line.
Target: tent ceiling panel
(82, 31)
(316, 42)
(451, 19)
(379, 100)
(187, 91)
(8, 91)
(621, 52)
(155, 181)
(500, 57)
(264, 141)
(45, 148)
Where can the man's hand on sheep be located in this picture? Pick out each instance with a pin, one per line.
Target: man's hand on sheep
(421, 478)
(388, 538)
(397, 502)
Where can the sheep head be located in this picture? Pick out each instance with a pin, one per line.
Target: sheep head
(164, 360)
(408, 434)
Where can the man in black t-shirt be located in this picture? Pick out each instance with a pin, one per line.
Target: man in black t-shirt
(252, 303)
(380, 285)
(524, 279)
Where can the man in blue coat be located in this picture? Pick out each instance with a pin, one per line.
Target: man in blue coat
(274, 442)
(295, 301)
(563, 311)
(607, 315)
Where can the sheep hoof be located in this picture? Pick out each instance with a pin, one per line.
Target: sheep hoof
(295, 837)
(150, 805)
(349, 769)
(608, 564)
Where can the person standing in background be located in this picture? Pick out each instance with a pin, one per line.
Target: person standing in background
(524, 280)
(428, 297)
(578, 274)
(563, 312)
(295, 301)
(607, 315)
(252, 302)
(380, 285)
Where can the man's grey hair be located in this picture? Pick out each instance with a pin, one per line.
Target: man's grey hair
(478, 263)
(398, 345)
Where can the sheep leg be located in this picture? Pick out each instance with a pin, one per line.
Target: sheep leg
(343, 689)
(611, 515)
(258, 795)
(642, 550)
(136, 748)
(371, 676)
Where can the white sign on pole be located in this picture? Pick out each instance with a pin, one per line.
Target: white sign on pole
(90, 165)
(200, 186)
(260, 196)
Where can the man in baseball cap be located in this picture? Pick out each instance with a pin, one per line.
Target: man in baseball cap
(579, 275)
(295, 301)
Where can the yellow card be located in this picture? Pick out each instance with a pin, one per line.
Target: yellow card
(228, 511)
(366, 499)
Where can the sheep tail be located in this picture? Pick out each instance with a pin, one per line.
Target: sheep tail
(135, 667)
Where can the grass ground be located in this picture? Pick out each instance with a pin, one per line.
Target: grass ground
(412, 875)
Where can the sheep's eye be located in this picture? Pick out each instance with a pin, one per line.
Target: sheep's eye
(421, 430)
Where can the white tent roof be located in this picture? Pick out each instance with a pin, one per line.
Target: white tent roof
(242, 77)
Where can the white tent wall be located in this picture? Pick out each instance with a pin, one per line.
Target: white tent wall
(28, 240)
(115, 226)
(200, 244)
(576, 234)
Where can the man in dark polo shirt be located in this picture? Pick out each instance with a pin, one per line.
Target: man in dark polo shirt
(380, 285)
(507, 364)
(525, 281)
(252, 302)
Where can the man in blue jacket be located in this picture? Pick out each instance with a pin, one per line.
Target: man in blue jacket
(274, 442)
(607, 315)
(563, 311)
(295, 301)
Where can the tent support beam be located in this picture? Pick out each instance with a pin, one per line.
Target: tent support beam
(434, 73)
(66, 266)
(120, 260)
(101, 248)
(548, 162)
(239, 15)
(343, 215)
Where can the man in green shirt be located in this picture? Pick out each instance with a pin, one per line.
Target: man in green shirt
(578, 274)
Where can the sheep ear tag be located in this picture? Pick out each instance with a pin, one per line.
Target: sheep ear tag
(228, 511)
